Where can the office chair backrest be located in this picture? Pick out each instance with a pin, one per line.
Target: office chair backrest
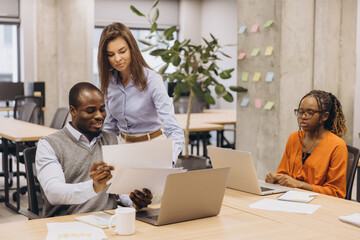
(21, 101)
(353, 159)
(34, 197)
(25, 112)
(59, 119)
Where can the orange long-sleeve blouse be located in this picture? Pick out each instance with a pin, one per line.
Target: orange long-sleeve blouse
(325, 169)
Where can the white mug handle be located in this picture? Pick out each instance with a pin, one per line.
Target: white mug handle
(110, 223)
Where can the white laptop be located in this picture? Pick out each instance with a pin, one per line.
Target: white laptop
(242, 175)
(189, 195)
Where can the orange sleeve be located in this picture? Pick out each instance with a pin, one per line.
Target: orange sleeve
(284, 167)
(335, 184)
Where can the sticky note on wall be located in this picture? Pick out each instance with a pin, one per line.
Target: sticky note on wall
(268, 23)
(257, 103)
(255, 52)
(241, 56)
(244, 76)
(257, 76)
(245, 102)
(269, 50)
(269, 77)
(269, 105)
(255, 28)
(242, 29)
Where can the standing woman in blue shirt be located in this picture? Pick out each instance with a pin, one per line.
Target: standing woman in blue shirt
(137, 104)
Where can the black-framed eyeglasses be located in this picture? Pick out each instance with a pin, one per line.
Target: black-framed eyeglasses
(308, 114)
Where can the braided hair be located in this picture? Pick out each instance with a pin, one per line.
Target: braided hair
(327, 102)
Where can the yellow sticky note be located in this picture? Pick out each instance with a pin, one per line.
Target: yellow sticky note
(269, 105)
(257, 76)
(255, 52)
(269, 50)
(244, 76)
(268, 23)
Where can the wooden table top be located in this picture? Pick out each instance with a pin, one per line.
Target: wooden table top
(235, 221)
(20, 131)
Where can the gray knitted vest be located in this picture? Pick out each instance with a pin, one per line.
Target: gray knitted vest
(76, 160)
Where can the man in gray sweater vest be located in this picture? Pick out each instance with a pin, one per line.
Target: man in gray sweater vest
(69, 162)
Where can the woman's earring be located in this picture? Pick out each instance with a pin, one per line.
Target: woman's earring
(111, 69)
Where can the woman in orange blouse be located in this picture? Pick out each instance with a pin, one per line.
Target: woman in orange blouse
(315, 157)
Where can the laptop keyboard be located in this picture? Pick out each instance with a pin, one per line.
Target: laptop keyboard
(153, 217)
(264, 189)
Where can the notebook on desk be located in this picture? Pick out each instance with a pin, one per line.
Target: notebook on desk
(189, 195)
(242, 175)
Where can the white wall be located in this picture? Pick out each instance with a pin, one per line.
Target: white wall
(198, 18)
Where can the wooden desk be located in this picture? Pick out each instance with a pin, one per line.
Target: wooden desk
(18, 131)
(235, 221)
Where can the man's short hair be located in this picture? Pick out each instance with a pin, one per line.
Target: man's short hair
(77, 89)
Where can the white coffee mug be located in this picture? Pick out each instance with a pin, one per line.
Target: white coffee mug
(124, 218)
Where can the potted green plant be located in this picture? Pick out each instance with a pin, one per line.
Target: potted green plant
(196, 65)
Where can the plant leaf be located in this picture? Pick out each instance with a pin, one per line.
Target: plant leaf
(157, 52)
(220, 90)
(226, 74)
(238, 89)
(209, 99)
(155, 4)
(224, 54)
(176, 60)
(228, 97)
(137, 12)
(153, 27)
(145, 42)
(168, 33)
(163, 68)
(156, 16)
(184, 43)
(148, 48)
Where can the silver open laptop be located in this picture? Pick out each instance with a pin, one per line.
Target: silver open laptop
(189, 195)
(242, 175)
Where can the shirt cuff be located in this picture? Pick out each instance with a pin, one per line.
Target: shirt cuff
(89, 188)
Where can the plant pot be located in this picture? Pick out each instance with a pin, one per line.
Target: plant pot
(191, 163)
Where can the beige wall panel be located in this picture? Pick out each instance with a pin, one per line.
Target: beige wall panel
(327, 45)
(74, 56)
(64, 48)
(47, 53)
(296, 63)
(347, 76)
(257, 129)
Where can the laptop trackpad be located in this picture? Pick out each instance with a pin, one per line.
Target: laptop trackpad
(149, 215)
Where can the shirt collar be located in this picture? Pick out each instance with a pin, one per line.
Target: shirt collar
(79, 136)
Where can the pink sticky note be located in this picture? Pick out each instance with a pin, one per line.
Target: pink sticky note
(255, 27)
(242, 55)
(257, 103)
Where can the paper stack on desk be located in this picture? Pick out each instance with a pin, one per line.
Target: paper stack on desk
(140, 165)
(297, 196)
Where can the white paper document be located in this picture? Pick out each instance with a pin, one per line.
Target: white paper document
(283, 206)
(353, 219)
(129, 179)
(73, 230)
(99, 219)
(297, 196)
(149, 154)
